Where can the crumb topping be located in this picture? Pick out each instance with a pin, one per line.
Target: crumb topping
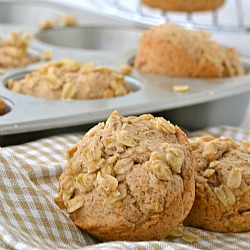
(67, 79)
(14, 51)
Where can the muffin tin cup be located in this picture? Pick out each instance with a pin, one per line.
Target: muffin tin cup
(98, 38)
(208, 102)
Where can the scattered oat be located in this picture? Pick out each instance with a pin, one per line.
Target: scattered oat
(189, 237)
(126, 69)
(68, 20)
(180, 88)
(64, 20)
(186, 234)
(47, 24)
(47, 55)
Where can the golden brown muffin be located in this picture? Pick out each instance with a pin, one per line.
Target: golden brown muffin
(68, 79)
(172, 50)
(130, 178)
(222, 194)
(184, 5)
(2, 106)
(14, 51)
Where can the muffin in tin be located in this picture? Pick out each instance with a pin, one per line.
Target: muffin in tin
(14, 51)
(172, 50)
(222, 193)
(68, 79)
(130, 178)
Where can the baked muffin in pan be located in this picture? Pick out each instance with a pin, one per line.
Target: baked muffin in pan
(172, 50)
(68, 79)
(14, 51)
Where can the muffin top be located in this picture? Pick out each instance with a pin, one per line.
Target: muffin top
(195, 46)
(222, 175)
(14, 51)
(68, 79)
(222, 163)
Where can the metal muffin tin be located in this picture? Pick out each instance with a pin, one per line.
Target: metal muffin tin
(208, 102)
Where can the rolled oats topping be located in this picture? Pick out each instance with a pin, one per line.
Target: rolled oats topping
(85, 182)
(115, 198)
(119, 170)
(225, 195)
(67, 79)
(67, 183)
(208, 173)
(53, 81)
(234, 178)
(107, 182)
(14, 51)
(126, 138)
(164, 125)
(246, 172)
(175, 157)
(70, 152)
(74, 204)
(161, 170)
(68, 91)
(122, 166)
(222, 172)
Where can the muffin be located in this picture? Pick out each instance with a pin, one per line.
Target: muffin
(2, 106)
(68, 79)
(222, 193)
(14, 51)
(172, 50)
(184, 5)
(130, 178)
